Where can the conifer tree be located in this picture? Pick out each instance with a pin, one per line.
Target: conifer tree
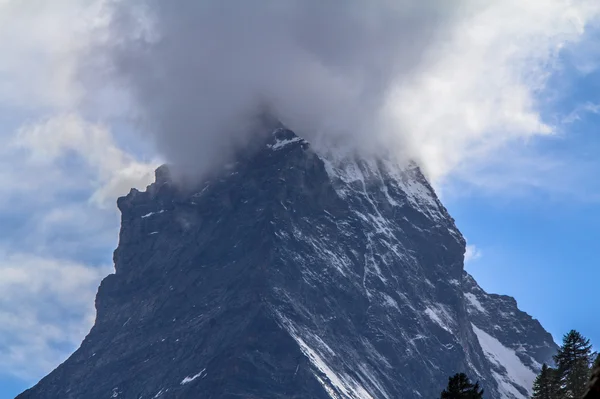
(573, 362)
(460, 387)
(546, 385)
(594, 385)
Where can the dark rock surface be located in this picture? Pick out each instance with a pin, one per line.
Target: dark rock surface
(295, 275)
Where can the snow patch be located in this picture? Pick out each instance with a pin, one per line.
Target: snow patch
(152, 213)
(389, 175)
(516, 373)
(474, 303)
(337, 385)
(343, 384)
(332, 256)
(389, 301)
(187, 380)
(374, 382)
(418, 194)
(507, 389)
(282, 143)
(440, 316)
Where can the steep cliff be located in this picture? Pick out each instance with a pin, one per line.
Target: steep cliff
(295, 274)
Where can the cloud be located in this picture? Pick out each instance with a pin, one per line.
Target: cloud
(200, 71)
(576, 114)
(472, 253)
(39, 42)
(59, 180)
(447, 85)
(46, 308)
(113, 171)
(585, 55)
(60, 175)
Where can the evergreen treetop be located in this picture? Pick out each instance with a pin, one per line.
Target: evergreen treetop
(460, 387)
(573, 361)
(546, 384)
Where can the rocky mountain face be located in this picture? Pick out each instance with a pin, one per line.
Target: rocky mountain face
(295, 274)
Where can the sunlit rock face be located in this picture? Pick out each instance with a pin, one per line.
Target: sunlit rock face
(295, 273)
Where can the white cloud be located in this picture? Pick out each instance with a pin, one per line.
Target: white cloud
(458, 104)
(472, 253)
(40, 42)
(59, 180)
(477, 94)
(455, 93)
(46, 308)
(576, 114)
(60, 175)
(112, 171)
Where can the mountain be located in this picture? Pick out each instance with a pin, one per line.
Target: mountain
(295, 273)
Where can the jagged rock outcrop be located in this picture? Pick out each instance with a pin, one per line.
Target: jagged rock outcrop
(295, 274)
(515, 344)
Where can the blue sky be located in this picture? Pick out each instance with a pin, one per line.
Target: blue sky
(506, 126)
(540, 244)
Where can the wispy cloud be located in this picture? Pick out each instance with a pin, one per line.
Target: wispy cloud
(38, 42)
(478, 107)
(60, 175)
(46, 307)
(580, 111)
(60, 179)
(472, 253)
(110, 170)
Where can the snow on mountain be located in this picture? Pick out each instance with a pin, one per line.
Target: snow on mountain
(514, 376)
(514, 343)
(296, 274)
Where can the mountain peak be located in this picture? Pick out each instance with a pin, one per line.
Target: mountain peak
(294, 273)
(163, 174)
